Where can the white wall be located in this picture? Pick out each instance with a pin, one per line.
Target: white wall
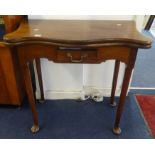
(139, 22)
(73, 80)
(84, 17)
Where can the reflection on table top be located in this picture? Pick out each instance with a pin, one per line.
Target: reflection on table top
(79, 32)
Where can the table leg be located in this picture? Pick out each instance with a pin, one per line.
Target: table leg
(114, 83)
(126, 80)
(31, 68)
(38, 67)
(29, 91)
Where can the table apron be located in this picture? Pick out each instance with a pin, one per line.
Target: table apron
(85, 56)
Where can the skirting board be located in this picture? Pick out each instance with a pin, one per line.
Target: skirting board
(77, 94)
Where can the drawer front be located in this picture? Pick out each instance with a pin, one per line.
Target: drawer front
(76, 55)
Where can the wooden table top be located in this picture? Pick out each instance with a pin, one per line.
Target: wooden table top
(79, 32)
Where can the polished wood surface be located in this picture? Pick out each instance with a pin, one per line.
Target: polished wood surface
(77, 42)
(12, 22)
(12, 89)
(4, 95)
(83, 33)
(11, 83)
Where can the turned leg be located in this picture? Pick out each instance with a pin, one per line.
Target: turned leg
(29, 91)
(126, 80)
(38, 67)
(114, 83)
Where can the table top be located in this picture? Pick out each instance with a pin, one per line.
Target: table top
(79, 32)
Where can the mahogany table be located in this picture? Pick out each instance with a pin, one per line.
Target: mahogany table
(77, 41)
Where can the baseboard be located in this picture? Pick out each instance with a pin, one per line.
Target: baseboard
(77, 94)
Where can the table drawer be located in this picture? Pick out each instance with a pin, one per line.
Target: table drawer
(76, 55)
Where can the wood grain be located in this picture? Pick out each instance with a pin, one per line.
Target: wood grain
(79, 32)
(68, 41)
(11, 83)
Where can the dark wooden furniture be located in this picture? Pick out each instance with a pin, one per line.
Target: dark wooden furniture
(11, 83)
(64, 41)
(150, 22)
